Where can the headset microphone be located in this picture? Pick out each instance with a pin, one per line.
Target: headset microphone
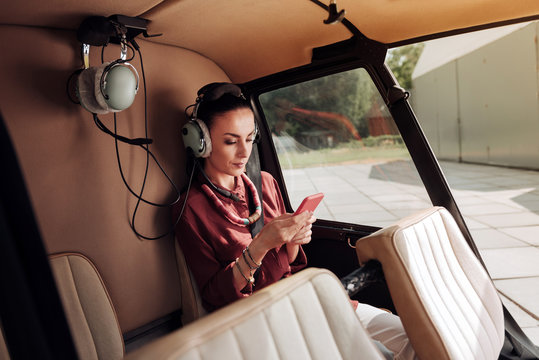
(136, 141)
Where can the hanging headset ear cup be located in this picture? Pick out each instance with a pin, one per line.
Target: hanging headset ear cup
(86, 93)
(119, 86)
(100, 99)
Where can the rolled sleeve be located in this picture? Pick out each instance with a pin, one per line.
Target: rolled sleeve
(300, 262)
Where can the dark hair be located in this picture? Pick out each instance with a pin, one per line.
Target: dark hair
(208, 110)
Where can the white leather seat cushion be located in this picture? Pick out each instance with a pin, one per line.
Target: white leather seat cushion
(445, 298)
(306, 316)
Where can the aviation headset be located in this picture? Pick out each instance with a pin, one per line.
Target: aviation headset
(195, 134)
(110, 87)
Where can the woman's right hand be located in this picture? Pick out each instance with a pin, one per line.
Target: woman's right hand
(279, 231)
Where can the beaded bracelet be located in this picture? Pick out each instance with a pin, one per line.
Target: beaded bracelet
(251, 268)
(250, 280)
(248, 263)
(250, 257)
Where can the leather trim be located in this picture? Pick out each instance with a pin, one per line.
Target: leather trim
(305, 315)
(192, 308)
(438, 286)
(4, 353)
(91, 264)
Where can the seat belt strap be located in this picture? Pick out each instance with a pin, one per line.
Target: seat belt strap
(253, 172)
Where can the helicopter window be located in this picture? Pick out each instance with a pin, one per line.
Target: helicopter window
(335, 135)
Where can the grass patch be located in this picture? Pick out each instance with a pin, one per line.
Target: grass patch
(343, 155)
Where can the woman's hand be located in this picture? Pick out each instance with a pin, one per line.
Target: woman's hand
(303, 236)
(287, 228)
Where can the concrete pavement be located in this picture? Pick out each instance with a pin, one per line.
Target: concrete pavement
(500, 206)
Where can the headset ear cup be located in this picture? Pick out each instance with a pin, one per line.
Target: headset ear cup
(118, 86)
(206, 136)
(100, 99)
(86, 82)
(195, 136)
(256, 134)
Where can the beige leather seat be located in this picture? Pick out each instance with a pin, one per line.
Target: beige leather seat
(447, 302)
(4, 354)
(192, 308)
(89, 310)
(306, 316)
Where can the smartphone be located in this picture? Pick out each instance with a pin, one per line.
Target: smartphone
(309, 203)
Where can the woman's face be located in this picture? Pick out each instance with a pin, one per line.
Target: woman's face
(232, 135)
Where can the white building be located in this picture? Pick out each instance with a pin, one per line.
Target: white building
(477, 96)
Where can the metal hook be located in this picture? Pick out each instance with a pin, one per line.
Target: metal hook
(86, 55)
(334, 15)
(123, 46)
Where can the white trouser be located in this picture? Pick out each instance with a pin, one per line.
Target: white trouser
(387, 329)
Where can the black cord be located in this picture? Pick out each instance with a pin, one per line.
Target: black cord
(186, 195)
(189, 116)
(137, 141)
(146, 148)
(144, 143)
(173, 227)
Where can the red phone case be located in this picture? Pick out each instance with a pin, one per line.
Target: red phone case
(309, 203)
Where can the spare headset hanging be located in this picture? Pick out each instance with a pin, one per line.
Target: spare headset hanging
(111, 87)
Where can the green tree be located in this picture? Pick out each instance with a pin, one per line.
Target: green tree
(348, 93)
(402, 62)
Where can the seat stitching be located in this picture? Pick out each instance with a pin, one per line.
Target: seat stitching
(451, 276)
(481, 318)
(473, 287)
(264, 317)
(236, 341)
(81, 305)
(327, 322)
(300, 326)
(423, 278)
(197, 348)
(450, 300)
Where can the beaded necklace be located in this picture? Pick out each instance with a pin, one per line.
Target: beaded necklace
(233, 218)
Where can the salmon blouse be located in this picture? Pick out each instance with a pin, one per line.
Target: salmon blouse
(211, 243)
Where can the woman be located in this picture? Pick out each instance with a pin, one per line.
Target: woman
(214, 233)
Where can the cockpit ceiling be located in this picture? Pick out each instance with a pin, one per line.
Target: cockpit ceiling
(250, 38)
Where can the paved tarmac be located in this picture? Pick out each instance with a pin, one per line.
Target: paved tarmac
(500, 207)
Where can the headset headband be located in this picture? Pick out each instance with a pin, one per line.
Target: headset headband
(215, 91)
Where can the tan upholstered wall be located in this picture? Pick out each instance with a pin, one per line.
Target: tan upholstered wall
(4, 353)
(70, 166)
(287, 30)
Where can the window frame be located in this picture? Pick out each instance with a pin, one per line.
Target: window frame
(358, 52)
